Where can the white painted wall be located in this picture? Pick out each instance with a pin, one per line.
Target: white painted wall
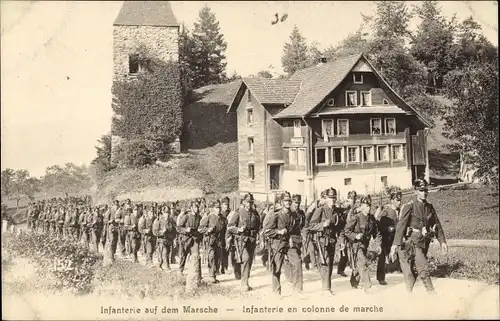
(363, 181)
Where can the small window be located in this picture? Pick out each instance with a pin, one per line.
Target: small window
(331, 102)
(390, 126)
(368, 154)
(297, 128)
(375, 126)
(250, 145)
(292, 154)
(249, 95)
(397, 152)
(347, 181)
(250, 116)
(301, 157)
(337, 155)
(357, 78)
(385, 102)
(321, 156)
(327, 127)
(133, 63)
(251, 171)
(351, 98)
(366, 98)
(383, 179)
(342, 127)
(383, 153)
(353, 154)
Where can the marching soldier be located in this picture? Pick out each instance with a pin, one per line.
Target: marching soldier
(348, 211)
(96, 228)
(322, 225)
(106, 223)
(131, 225)
(359, 229)
(225, 253)
(284, 229)
(244, 225)
(230, 244)
(190, 238)
(175, 247)
(213, 226)
(60, 214)
(67, 221)
(387, 221)
(419, 222)
(85, 225)
(146, 228)
(122, 232)
(264, 241)
(164, 229)
(308, 246)
(74, 226)
(41, 219)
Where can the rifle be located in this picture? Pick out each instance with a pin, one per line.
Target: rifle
(320, 249)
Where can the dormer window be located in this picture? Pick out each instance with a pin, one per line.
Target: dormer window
(133, 64)
(331, 102)
(357, 78)
(385, 102)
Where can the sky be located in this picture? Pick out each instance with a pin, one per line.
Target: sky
(57, 62)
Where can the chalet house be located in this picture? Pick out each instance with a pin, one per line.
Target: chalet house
(337, 124)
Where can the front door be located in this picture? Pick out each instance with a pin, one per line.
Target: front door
(274, 177)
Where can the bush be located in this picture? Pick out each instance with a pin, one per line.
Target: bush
(136, 153)
(71, 263)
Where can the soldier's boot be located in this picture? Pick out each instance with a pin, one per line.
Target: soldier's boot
(428, 285)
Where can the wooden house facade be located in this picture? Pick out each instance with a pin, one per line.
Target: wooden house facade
(337, 124)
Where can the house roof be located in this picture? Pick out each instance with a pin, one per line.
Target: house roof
(316, 83)
(273, 91)
(146, 13)
(308, 87)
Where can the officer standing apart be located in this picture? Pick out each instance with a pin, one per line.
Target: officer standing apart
(360, 228)
(213, 226)
(284, 230)
(387, 221)
(244, 225)
(419, 222)
(322, 225)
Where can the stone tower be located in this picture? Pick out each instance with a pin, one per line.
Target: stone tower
(149, 24)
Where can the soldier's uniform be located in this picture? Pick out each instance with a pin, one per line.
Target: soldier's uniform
(113, 230)
(244, 225)
(67, 221)
(263, 239)
(189, 239)
(85, 226)
(122, 232)
(419, 222)
(322, 225)
(284, 229)
(74, 226)
(131, 225)
(344, 255)
(180, 251)
(106, 220)
(359, 230)
(387, 226)
(41, 220)
(146, 228)
(164, 228)
(96, 229)
(308, 245)
(214, 226)
(60, 215)
(230, 244)
(225, 253)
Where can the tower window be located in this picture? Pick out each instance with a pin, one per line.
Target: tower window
(133, 63)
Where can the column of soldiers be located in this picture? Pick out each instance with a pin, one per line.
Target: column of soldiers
(286, 236)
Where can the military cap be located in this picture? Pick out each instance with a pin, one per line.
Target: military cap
(352, 194)
(331, 192)
(225, 200)
(366, 200)
(215, 204)
(286, 197)
(296, 198)
(248, 197)
(420, 185)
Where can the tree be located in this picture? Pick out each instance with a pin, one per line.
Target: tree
(433, 43)
(314, 54)
(68, 179)
(264, 74)
(391, 20)
(209, 66)
(354, 43)
(472, 119)
(186, 64)
(7, 178)
(295, 55)
(102, 161)
(24, 185)
(150, 105)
